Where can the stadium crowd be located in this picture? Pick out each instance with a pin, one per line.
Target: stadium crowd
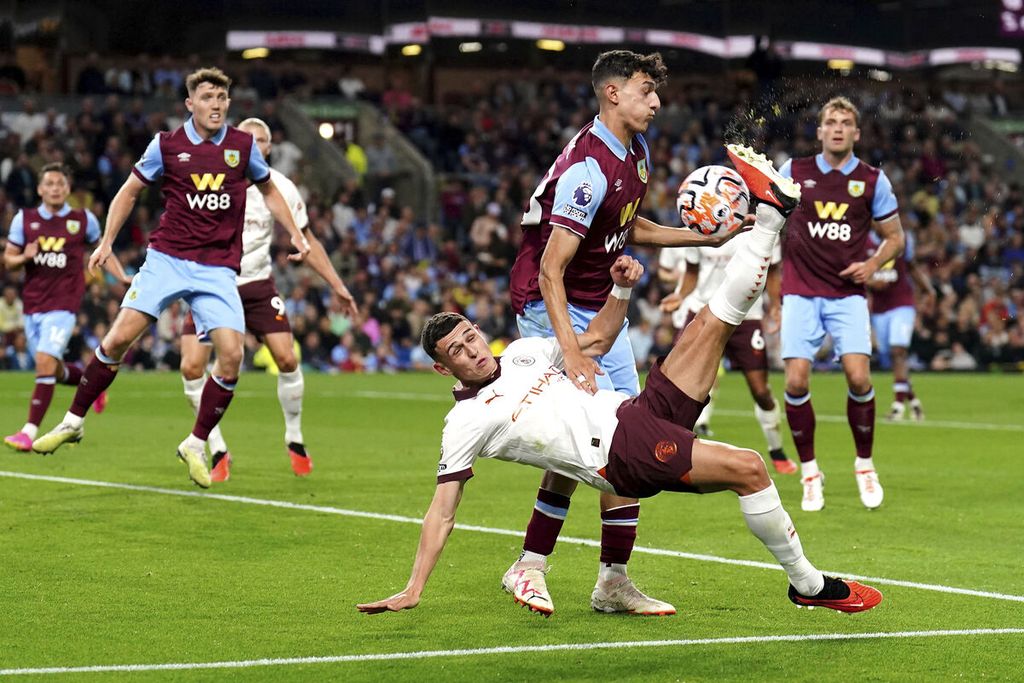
(490, 149)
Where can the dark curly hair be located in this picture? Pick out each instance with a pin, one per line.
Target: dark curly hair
(623, 64)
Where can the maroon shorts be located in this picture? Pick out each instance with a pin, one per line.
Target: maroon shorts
(263, 306)
(652, 447)
(745, 348)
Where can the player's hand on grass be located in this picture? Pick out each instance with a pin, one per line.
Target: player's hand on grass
(99, 256)
(582, 371)
(671, 303)
(301, 249)
(395, 603)
(626, 271)
(859, 271)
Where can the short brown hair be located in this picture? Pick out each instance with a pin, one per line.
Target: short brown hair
(842, 104)
(211, 75)
(436, 328)
(55, 167)
(625, 63)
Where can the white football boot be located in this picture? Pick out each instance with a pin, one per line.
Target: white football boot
(871, 493)
(814, 494)
(525, 581)
(619, 594)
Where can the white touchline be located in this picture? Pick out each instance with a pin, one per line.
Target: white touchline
(511, 649)
(491, 530)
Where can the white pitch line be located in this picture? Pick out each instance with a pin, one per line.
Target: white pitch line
(493, 530)
(506, 650)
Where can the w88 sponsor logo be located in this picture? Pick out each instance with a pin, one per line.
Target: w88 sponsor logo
(208, 200)
(51, 259)
(831, 231)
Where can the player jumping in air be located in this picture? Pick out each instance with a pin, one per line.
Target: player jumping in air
(523, 408)
(194, 254)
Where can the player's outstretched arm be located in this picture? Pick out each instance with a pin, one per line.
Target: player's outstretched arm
(558, 252)
(120, 208)
(437, 526)
(600, 334)
(647, 233)
(321, 263)
(283, 215)
(893, 242)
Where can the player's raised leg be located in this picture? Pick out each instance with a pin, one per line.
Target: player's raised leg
(129, 325)
(290, 389)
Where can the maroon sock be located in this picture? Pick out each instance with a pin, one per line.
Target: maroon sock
(618, 533)
(72, 375)
(860, 413)
(549, 514)
(41, 397)
(217, 394)
(910, 391)
(800, 416)
(98, 375)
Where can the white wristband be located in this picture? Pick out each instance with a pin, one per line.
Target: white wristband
(621, 292)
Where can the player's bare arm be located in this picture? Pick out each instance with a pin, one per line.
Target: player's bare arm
(600, 334)
(924, 285)
(283, 215)
(16, 257)
(437, 526)
(647, 233)
(321, 263)
(120, 208)
(558, 252)
(773, 308)
(893, 241)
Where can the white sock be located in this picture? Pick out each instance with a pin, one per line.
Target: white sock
(194, 392)
(808, 469)
(610, 570)
(746, 272)
(290, 387)
(31, 430)
(864, 464)
(770, 421)
(767, 520)
(73, 420)
(530, 556)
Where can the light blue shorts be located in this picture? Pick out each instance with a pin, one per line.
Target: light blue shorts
(893, 328)
(211, 291)
(49, 332)
(806, 320)
(618, 364)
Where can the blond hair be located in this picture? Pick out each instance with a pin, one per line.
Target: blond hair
(842, 104)
(254, 122)
(211, 75)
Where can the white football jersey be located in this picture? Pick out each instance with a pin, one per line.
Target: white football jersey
(531, 414)
(258, 232)
(712, 262)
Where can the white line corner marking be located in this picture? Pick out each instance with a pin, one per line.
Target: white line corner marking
(427, 654)
(491, 530)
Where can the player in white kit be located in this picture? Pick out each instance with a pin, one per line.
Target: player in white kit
(522, 408)
(264, 314)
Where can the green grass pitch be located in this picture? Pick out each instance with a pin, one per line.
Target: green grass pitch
(96, 576)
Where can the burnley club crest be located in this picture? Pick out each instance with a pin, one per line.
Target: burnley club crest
(232, 157)
(73, 227)
(855, 187)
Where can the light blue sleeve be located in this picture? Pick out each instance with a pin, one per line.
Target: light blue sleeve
(884, 203)
(908, 247)
(151, 165)
(786, 170)
(578, 195)
(258, 171)
(16, 235)
(92, 228)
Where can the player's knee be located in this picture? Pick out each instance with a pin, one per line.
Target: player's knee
(556, 483)
(763, 398)
(797, 386)
(192, 368)
(287, 362)
(749, 471)
(859, 382)
(230, 360)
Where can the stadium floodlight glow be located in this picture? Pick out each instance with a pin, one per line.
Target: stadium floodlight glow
(470, 47)
(411, 50)
(551, 45)
(326, 130)
(879, 75)
(255, 53)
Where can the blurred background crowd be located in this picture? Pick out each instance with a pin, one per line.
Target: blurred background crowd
(489, 144)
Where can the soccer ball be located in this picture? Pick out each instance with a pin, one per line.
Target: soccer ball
(713, 200)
